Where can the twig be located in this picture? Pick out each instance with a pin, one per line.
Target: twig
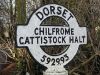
(82, 64)
(91, 41)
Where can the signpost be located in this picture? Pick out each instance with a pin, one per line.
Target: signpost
(33, 35)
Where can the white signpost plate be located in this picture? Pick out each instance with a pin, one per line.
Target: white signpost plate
(33, 35)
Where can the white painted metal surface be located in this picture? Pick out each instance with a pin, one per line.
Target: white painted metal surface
(33, 35)
(55, 71)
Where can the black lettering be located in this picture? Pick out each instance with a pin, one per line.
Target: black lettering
(43, 58)
(52, 9)
(54, 40)
(48, 60)
(57, 31)
(83, 38)
(41, 40)
(66, 56)
(39, 15)
(35, 31)
(67, 31)
(37, 37)
(58, 61)
(45, 40)
(50, 39)
(59, 10)
(76, 39)
(27, 40)
(53, 30)
(41, 31)
(46, 31)
(46, 11)
(59, 39)
(31, 39)
(62, 31)
(49, 32)
(64, 13)
(71, 16)
(63, 39)
(20, 40)
(80, 41)
(62, 59)
(71, 39)
(53, 61)
(72, 31)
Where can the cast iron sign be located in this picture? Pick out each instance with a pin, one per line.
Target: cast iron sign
(33, 35)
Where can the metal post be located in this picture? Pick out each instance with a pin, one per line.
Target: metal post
(56, 71)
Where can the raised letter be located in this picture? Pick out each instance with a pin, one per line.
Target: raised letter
(39, 15)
